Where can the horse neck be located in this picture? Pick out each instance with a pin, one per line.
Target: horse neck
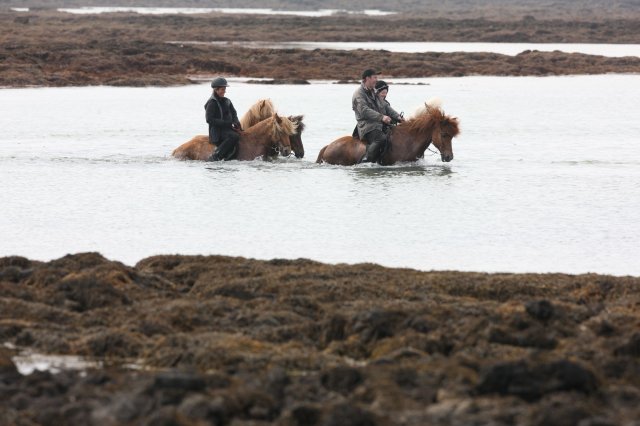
(261, 134)
(418, 139)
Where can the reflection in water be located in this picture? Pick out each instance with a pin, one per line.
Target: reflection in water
(367, 172)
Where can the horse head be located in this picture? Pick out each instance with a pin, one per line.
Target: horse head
(296, 138)
(440, 129)
(281, 129)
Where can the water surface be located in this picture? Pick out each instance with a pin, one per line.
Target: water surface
(611, 50)
(199, 10)
(546, 177)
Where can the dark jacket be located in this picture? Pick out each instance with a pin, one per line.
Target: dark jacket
(220, 115)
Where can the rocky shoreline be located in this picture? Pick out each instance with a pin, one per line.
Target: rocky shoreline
(134, 50)
(222, 340)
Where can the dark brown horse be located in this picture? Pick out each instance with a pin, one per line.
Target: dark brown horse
(408, 141)
(266, 139)
(296, 139)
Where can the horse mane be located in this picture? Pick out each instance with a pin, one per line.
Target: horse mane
(434, 102)
(432, 115)
(259, 111)
(280, 126)
(297, 120)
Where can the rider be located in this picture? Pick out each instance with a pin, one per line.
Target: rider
(370, 114)
(382, 89)
(224, 126)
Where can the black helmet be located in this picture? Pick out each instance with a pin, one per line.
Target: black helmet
(219, 82)
(381, 85)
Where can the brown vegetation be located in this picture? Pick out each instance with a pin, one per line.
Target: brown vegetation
(296, 342)
(567, 10)
(55, 49)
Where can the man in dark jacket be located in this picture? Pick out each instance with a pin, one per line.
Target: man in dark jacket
(224, 126)
(371, 115)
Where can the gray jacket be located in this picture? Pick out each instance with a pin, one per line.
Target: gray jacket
(391, 112)
(369, 110)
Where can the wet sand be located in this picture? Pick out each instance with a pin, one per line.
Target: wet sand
(45, 48)
(221, 340)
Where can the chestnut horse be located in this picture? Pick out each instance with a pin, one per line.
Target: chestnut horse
(264, 109)
(408, 140)
(266, 139)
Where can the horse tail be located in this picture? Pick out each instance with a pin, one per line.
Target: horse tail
(320, 160)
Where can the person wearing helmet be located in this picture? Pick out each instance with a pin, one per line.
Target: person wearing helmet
(371, 115)
(382, 89)
(224, 126)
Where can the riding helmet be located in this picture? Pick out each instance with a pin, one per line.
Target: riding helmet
(219, 82)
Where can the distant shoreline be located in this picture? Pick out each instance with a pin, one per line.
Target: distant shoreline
(131, 49)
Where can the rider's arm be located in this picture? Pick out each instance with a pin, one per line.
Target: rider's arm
(234, 114)
(392, 112)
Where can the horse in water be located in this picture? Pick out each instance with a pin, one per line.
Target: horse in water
(266, 139)
(264, 109)
(407, 142)
(199, 146)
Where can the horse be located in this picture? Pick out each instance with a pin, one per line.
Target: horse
(408, 140)
(265, 139)
(263, 109)
(296, 139)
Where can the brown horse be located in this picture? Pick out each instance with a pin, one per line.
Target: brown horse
(296, 139)
(258, 112)
(266, 139)
(264, 109)
(408, 140)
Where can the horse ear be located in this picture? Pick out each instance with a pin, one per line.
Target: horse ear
(262, 103)
(278, 119)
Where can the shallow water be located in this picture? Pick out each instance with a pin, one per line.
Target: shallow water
(198, 10)
(610, 50)
(546, 177)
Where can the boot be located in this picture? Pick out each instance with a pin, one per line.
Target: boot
(222, 152)
(232, 153)
(215, 156)
(373, 152)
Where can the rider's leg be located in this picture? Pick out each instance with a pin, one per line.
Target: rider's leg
(375, 143)
(227, 148)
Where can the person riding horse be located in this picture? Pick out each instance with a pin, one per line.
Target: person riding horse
(382, 90)
(371, 113)
(224, 126)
